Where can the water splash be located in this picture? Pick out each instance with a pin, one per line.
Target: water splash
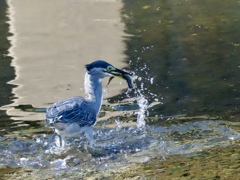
(141, 100)
(143, 105)
(142, 113)
(117, 121)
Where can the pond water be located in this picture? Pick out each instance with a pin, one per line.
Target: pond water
(185, 110)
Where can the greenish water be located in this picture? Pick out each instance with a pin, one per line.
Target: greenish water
(190, 49)
(185, 54)
(6, 71)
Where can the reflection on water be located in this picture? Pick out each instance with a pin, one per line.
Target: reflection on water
(185, 55)
(6, 71)
(50, 61)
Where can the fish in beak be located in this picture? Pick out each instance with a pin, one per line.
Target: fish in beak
(122, 74)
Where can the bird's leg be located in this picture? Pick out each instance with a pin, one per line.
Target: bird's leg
(63, 141)
(60, 141)
(89, 135)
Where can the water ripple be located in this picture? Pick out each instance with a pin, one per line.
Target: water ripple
(114, 147)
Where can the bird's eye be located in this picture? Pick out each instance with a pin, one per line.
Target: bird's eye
(110, 68)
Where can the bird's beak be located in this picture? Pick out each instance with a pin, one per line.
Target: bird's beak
(122, 74)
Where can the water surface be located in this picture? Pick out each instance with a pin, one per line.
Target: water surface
(185, 108)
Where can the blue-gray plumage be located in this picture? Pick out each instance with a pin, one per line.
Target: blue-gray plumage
(76, 115)
(72, 110)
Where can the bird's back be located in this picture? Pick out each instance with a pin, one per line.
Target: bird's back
(72, 110)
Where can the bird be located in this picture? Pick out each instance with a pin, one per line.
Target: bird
(77, 115)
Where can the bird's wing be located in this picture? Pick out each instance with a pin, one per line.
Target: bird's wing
(72, 110)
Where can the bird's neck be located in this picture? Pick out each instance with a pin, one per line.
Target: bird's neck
(93, 89)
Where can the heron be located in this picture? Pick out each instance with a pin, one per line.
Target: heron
(77, 115)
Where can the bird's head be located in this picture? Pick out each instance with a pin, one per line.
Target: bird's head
(103, 69)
